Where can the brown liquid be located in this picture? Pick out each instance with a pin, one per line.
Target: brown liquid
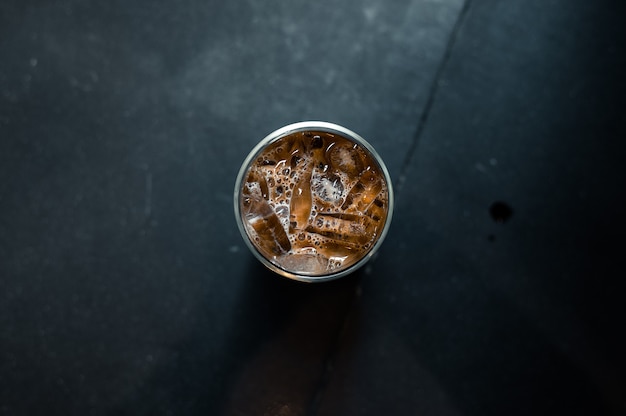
(314, 202)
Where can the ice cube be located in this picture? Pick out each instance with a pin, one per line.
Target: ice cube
(364, 192)
(301, 202)
(265, 223)
(345, 159)
(305, 263)
(350, 228)
(257, 176)
(376, 210)
(328, 187)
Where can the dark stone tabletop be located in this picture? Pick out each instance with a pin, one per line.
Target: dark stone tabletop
(126, 288)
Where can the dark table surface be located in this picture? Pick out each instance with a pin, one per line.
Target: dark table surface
(125, 286)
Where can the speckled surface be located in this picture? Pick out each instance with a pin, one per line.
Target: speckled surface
(125, 287)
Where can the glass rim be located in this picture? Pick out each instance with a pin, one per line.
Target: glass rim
(327, 128)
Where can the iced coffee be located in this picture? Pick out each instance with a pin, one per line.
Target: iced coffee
(314, 201)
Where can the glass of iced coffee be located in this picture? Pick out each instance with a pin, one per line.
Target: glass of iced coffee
(313, 201)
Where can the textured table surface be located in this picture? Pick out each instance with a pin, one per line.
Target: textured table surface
(125, 287)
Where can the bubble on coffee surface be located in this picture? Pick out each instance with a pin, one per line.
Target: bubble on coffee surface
(314, 203)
